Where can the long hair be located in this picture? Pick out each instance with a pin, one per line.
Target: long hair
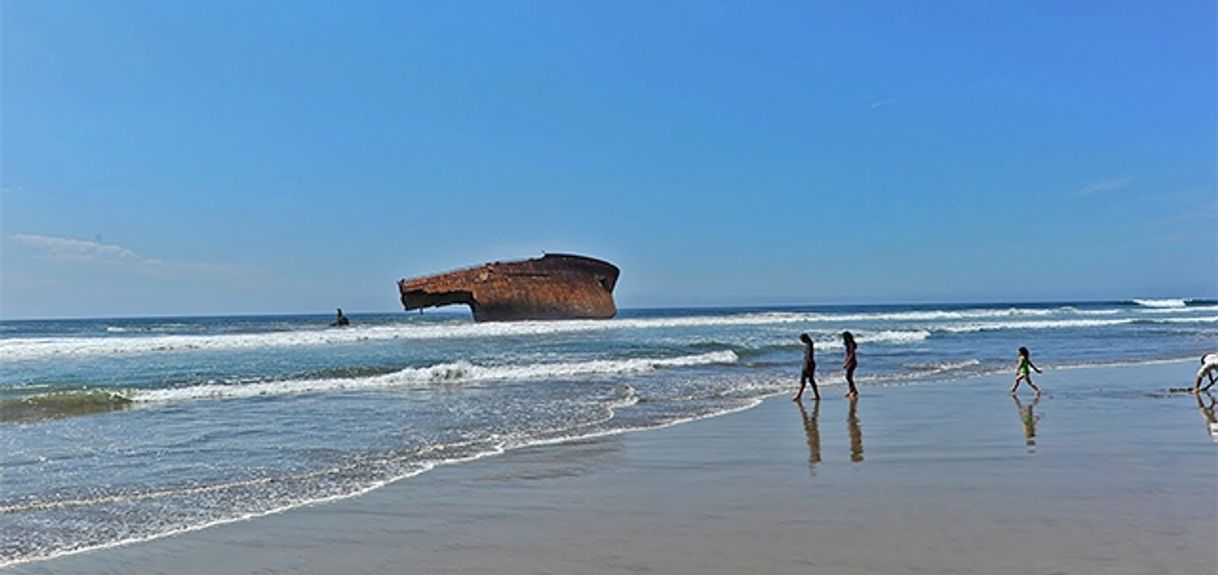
(848, 338)
(1024, 352)
(805, 338)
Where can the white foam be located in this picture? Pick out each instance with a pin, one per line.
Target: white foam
(17, 349)
(935, 368)
(444, 373)
(1068, 323)
(893, 336)
(1076, 311)
(1179, 310)
(1046, 324)
(1170, 302)
(1210, 319)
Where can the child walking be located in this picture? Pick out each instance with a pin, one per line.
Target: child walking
(808, 375)
(851, 362)
(1023, 371)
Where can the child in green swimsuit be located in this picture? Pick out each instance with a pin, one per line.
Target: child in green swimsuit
(1024, 371)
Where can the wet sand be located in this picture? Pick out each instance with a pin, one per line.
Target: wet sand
(1109, 472)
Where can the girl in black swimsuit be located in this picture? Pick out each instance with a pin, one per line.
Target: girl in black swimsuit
(808, 375)
(851, 362)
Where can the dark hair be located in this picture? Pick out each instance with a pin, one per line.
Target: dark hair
(849, 339)
(805, 338)
(1024, 352)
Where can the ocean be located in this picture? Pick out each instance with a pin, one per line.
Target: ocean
(118, 430)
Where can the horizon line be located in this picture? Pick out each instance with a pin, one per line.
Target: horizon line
(455, 310)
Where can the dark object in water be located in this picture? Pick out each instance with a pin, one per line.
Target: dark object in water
(341, 320)
(554, 286)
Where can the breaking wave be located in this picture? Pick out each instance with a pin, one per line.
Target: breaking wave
(942, 367)
(439, 374)
(60, 404)
(1158, 303)
(1067, 324)
(17, 349)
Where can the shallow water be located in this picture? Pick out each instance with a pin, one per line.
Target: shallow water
(116, 430)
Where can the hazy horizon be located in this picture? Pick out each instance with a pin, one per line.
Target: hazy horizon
(460, 310)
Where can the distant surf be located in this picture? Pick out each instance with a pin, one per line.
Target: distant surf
(127, 340)
(1173, 302)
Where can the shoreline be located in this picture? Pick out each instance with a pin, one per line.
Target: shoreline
(537, 443)
(134, 555)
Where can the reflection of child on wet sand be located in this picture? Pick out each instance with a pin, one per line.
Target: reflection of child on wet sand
(1207, 413)
(1023, 372)
(1209, 366)
(812, 431)
(1028, 416)
(808, 375)
(856, 432)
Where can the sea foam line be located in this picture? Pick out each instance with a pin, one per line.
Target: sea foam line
(443, 373)
(1169, 302)
(1069, 323)
(17, 349)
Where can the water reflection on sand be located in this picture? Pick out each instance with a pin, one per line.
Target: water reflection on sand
(811, 421)
(1206, 401)
(812, 431)
(1029, 417)
(856, 432)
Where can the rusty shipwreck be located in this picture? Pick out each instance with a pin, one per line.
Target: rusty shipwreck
(554, 286)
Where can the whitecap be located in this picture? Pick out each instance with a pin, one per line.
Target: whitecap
(1169, 302)
(440, 374)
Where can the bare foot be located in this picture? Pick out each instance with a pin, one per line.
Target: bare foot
(796, 399)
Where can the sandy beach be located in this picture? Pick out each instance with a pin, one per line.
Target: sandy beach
(1112, 471)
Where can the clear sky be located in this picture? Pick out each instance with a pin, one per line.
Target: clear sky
(264, 157)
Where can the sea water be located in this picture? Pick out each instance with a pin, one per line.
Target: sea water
(117, 430)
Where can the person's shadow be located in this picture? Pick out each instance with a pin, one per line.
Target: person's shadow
(812, 431)
(1207, 413)
(1027, 415)
(856, 433)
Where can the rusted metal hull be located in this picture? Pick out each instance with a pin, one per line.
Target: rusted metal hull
(554, 286)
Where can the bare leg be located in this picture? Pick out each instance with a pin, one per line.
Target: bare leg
(815, 391)
(1033, 385)
(854, 391)
(1016, 386)
(803, 382)
(1207, 388)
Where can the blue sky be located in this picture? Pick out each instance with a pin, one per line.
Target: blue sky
(234, 157)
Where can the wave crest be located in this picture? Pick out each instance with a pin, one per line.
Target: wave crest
(1158, 303)
(439, 374)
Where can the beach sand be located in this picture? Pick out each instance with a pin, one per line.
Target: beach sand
(1121, 476)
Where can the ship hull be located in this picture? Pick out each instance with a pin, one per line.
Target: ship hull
(554, 286)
